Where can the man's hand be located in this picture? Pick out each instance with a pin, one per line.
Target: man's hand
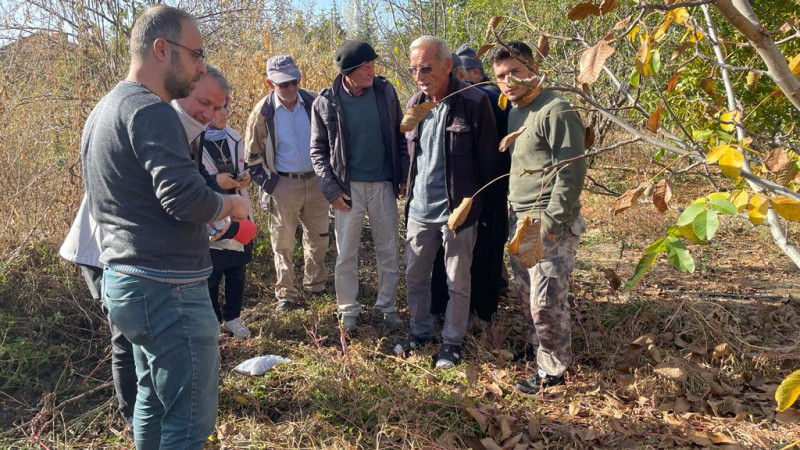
(235, 206)
(243, 181)
(341, 203)
(226, 181)
(221, 232)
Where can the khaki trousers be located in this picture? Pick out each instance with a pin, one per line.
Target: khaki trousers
(375, 200)
(298, 202)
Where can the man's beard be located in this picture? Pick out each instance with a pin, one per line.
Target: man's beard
(175, 86)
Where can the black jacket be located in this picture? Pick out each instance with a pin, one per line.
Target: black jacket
(329, 140)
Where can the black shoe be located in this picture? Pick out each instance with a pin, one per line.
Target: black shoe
(405, 346)
(534, 383)
(526, 354)
(287, 305)
(448, 356)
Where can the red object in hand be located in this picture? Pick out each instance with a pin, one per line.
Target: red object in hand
(247, 230)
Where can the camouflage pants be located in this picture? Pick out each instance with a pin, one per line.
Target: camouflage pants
(545, 305)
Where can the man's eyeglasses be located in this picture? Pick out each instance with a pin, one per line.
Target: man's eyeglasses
(199, 54)
(287, 84)
(423, 70)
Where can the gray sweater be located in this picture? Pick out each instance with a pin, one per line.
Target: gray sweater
(144, 190)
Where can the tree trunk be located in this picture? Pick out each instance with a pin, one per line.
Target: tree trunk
(741, 15)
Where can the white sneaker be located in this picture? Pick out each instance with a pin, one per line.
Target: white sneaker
(237, 328)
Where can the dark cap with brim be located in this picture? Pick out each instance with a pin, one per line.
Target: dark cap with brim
(281, 69)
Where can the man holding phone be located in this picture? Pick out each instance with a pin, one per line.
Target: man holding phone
(277, 144)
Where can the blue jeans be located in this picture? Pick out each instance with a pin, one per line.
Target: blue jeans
(175, 339)
(123, 369)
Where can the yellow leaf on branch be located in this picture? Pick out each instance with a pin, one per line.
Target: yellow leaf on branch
(788, 391)
(739, 199)
(643, 54)
(731, 162)
(679, 15)
(794, 64)
(502, 101)
(661, 31)
(716, 153)
(757, 209)
(728, 120)
(786, 207)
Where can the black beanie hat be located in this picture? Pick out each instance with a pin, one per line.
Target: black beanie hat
(353, 54)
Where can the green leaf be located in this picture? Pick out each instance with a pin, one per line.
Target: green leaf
(644, 264)
(634, 79)
(657, 246)
(702, 135)
(724, 206)
(688, 215)
(659, 154)
(705, 224)
(655, 60)
(679, 255)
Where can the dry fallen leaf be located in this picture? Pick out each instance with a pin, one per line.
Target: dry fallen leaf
(414, 114)
(490, 444)
(511, 137)
(479, 417)
(459, 215)
(670, 370)
(721, 351)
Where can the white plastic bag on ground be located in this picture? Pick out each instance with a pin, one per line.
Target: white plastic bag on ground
(259, 364)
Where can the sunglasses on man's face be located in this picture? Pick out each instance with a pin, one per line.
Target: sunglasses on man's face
(423, 70)
(287, 84)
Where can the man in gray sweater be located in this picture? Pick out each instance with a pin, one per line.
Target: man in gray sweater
(153, 206)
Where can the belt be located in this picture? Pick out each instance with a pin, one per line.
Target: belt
(297, 175)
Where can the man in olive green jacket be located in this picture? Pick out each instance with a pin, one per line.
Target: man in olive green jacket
(553, 133)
